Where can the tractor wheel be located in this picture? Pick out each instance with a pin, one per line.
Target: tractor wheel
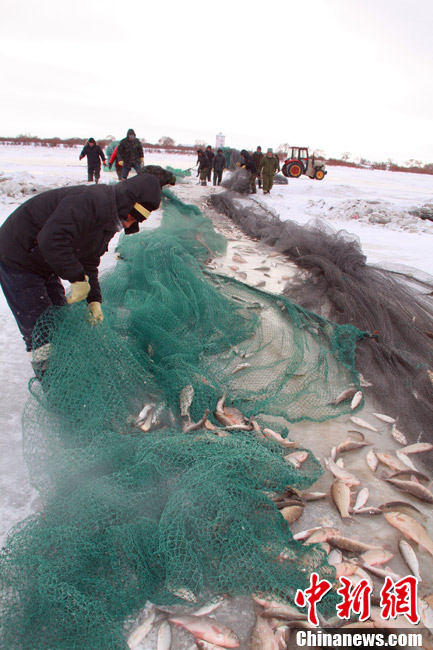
(284, 170)
(319, 175)
(294, 169)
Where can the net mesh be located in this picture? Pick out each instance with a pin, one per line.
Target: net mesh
(137, 503)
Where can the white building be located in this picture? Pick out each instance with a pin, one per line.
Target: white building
(220, 141)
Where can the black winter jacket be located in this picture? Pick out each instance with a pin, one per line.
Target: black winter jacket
(249, 163)
(130, 151)
(219, 162)
(93, 155)
(67, 230)
(203, 162)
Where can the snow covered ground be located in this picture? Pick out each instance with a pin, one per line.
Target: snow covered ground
(374, 205)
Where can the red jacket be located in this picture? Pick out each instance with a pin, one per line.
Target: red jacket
(113, 158)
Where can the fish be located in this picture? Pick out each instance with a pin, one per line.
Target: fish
(292, 513)
(297, 458)
(205, 645)
(350, 445)
(270, 433)
(372, 460)
(384, 418)
(361, 499)
(228, 415)
(207, 629)
(285, 612)
(411, 472)
(210, 607)
(398, 435)
(417, 490)
(376, 556)
(350, 544)
(410, 529)
(369, 510)
(201, 424)
(321, 535)
(390, 461)
(164, 636)
(362, 423)
(241, 366)
(303, 534)
(346, 394)
(381, 572)
(140, 632)
(396, 505)
(185, 400)
(426, 614)
(357, 399)
(340, 492)
(409, 556)
(404, 458)
(342, 474)
(345, 569)
(238, 259)
(416, 448)
(313, 496)
(262, 636)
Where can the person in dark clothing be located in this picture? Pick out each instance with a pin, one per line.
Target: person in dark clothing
(130, 153)
(94, 155)
(257, 156)
(164, 177)
(210, 156)
(63, 233)
(247, 162)
(219, 164)
(203, 166)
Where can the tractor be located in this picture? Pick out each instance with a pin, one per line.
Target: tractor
(300, 162)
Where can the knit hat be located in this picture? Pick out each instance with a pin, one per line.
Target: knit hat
(91, 141)
(270, 150)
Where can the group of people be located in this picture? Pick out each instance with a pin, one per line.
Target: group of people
(126, 156)
(208, 161)
(260, 167)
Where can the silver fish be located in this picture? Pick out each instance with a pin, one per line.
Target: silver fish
(409, 556)
(140, 632)
(416, 448)
(346, 394)
(342, 474)
(349, 544)
(262, 637)
(361, 499)
(185, 399)
(384, 418)
(210, 607)
(376, 556)
(357, 399)
(164, 636)
(350, 445)
(297, 458)
(362, 423)
(292, 513)
(207, 629)
(404, 458)
(372, 460)
(398, 435)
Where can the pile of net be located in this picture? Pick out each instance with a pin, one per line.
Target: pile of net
(138, 503)
(394, 305)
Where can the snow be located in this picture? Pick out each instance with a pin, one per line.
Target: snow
(356, 200)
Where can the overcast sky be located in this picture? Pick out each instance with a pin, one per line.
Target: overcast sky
(336, 75)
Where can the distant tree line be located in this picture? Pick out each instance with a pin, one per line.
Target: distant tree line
(166, 143)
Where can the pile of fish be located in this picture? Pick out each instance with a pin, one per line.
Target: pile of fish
(350, 556)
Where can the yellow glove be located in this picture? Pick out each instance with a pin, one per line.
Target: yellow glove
(95, 313)
(142, 160)
(120, 163)
(238, 164)
(80, 290)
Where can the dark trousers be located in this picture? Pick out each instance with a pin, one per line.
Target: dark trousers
(217, 176)
(93, 170)
(127, 168)
(28, 296)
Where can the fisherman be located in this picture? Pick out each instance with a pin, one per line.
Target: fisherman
(94, 155)
(258, 157)
(210, 156)
(247, 162)
(113, 161)
(219, 164)
(62, 234)
(130, 153)
(203, 166)
(268, 167)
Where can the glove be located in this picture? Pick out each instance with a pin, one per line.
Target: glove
(243, 166)
(95, 313)
(238, 164)
(142, 161)
(120, 163)
(109, 167)
(80, 290)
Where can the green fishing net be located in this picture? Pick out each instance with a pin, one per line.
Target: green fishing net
(136, 507)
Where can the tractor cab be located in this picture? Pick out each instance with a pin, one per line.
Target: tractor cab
(300, 162)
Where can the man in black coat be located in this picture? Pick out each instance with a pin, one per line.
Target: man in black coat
(130, 154)
(219, 164)
(203, 166)
(210, 156)
(94, 155)
(63, 233)
(247, 162)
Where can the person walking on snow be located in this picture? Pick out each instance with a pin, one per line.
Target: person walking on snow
(63, 233)
(203, 166)
(94, 155)
(210, 156)
(130, 154)
(219, 164)
(247, 162)
(258, 157)
(268, 167)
